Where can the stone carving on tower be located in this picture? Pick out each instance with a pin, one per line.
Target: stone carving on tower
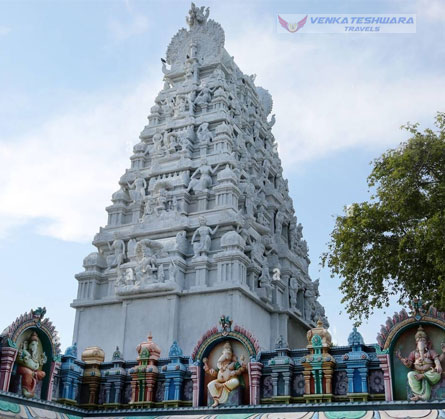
(202, 210)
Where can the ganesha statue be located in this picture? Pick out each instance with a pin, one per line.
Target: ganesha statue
(30, 360)
(427, 369)
(228, 374)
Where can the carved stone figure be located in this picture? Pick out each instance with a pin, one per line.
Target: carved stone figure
(309, 303)
(426, 365)
(146, 251)
(187, 137)
(293, 290)
(181, 242)
(205, 233)
(204, 98)
(137, 189)
(227, 372)
(118, 256)
(265, 283)
(279, 219)
(197, 15)
(30, 360)
(203, 133)
(205, 180)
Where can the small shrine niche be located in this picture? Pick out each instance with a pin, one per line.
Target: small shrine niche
(412, 354)
(224, 371)
(30, 356)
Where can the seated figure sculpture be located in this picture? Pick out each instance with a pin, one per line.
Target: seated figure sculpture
(426, 364)
(30, 361)
(227, 373)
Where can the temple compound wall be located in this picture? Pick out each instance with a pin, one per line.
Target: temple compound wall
(202, 222)
(227, 367)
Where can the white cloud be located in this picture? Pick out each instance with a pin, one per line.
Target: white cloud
(328, 96)
(63, 173)
(135, 25)
(432, 9)
(4, 30)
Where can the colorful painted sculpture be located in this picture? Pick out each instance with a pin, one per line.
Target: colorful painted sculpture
(426, 364)
(30, 360)
(228, 369)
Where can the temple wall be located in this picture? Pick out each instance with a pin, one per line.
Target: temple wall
(182, 318)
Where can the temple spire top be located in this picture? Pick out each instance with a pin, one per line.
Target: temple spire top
(197, 15)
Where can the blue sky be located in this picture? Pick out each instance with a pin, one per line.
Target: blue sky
(78, 79)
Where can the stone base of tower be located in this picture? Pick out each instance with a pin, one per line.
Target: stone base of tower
(182, 318)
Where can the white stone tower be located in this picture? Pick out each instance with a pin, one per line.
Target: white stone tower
(202, 224)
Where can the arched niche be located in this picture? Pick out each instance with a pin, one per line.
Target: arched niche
(13, 338)
(210, 347)
(403, 340)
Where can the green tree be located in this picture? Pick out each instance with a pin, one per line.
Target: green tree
(394, 244)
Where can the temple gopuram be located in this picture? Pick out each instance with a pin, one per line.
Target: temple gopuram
(198, 302)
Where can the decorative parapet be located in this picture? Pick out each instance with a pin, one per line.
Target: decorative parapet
(92, 356)
(318, 365)
(144, 375)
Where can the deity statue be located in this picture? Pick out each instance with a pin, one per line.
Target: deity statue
(205, 181)
(30, 360)
(204, 97)
(197, 15)
(265, 283)
(227, 372)
(205, 237)
(293, 292)
(157, 143)
(426, 364)
(118, 247)
(186, 138)
(279, 219)
(309, 302)
(137, 189)
(203, 133)
(146, 252)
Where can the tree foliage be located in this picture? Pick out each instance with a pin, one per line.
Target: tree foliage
(394, 244)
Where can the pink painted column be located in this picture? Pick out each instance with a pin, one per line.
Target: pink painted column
(386, 368)
(55, 366)
(254, 369)
(196, 376)
(7, 359)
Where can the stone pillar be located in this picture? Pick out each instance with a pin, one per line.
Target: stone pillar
(307, 381)
(254, 370)
(286, 378)
(177, 382)
(350, 374)
(7, 359)
(117, 394)
(150, 385)
(167, 387)
(196, 376)
(274, 376)
(364, 379)
(385, 366)
(328, 372)
(107, 392)
(134, 387)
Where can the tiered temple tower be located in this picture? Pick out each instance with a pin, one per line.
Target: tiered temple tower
(202, 223)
